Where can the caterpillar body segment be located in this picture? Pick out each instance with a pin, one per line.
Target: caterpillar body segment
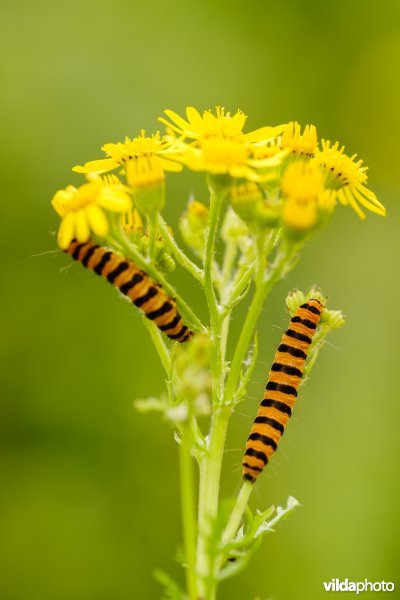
(134, 283)
(281, 390)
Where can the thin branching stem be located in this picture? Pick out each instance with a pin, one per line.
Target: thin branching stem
(186, 471)
(237, 512)
(159, 344)
(264, 285)
(179, 255)
(132, 252)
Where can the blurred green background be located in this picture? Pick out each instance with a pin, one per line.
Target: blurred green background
(89, 501)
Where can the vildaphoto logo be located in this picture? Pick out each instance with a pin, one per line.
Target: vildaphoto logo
(336, 585)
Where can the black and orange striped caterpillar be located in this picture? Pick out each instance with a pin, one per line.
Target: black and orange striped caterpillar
(281, 390)
(134, 283)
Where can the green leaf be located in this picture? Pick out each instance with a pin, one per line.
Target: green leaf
(172, 590)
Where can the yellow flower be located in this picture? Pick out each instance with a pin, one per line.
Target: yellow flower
(220, 125)
(219, 144)
(155, 149)
(302, 180)
(303, 189)
(83, 210)
(303, 144)
(222, 156)
(347, 176)
(271, 149)
(145, 171)
(299, 214)
(244, 197)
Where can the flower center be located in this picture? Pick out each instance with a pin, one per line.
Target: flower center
(223, 125)
(224, 151)
(133, 148)
(84, 195)
(302, 182)
(342, 169)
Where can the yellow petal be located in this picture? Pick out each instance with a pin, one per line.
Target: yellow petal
(341, 197)
(265, 133)
(114, 200)
(170, 126)
(82, 226)
(261, 163)
(177, 119)
(353, 203)
(247, 173)
(239, 119)
(371, 196)
(66, 231)
(194, 118)
(181, 126)
(371, 204)
(169, 165)
(97, 166)
(97, 220)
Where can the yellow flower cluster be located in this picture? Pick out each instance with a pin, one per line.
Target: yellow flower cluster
(83, 210)
(340, 178)
(297, 181)
(218, 144)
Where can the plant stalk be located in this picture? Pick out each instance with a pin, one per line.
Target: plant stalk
(188, 511)
(264, 285)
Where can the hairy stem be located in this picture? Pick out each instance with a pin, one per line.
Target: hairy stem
(210, 465)
(264, 285)
(186, 472)
(237, 512)
(179, 255)
(188, 511)
(159, 344)
(210, 475)
(216, 320)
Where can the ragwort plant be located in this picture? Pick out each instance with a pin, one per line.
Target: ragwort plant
(270, 191)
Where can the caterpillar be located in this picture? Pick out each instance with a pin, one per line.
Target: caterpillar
(134, 283)
(281, 390)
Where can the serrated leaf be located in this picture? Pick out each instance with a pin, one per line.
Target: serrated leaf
(280, 514)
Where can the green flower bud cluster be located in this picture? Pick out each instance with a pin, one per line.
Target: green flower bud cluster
(191, 378)
(192, 225)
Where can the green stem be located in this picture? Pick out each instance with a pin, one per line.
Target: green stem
(186, 473)
(188, 511)
(237, 512)
(210, 475)
(210, 465)
(264, 286)
(180, 256)
(239, 286)
(159, 344)
(216, 317)
(227, 267)
(152, 227)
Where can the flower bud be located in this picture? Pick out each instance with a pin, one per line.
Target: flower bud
(266, 215)
(333, 318)
(146, 177)
(166, 263)
(192, 379)
(233, 228)
(192, 225)
(244, 198)
(302, 186)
